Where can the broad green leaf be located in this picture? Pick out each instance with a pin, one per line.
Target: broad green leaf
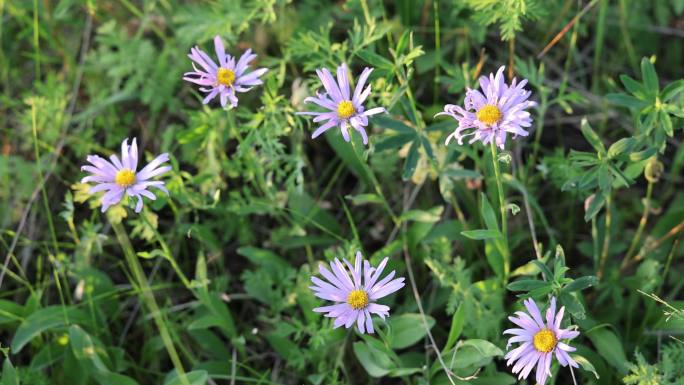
(43, 320)
(581, 283)
(407, 329)
(376, 363)
(457, 323)
(609, 346)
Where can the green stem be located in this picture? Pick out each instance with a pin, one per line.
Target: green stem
(148, 297)
(502, 205)
(642, 224)
(499, 187)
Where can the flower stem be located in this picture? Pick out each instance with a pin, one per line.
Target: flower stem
(148, 297)
(502, 207)
(499, 187)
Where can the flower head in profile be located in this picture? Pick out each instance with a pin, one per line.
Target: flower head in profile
(539, 341)
(225, 79)
(494, 112)
(355, 297)
(117, 177)
(344, 109)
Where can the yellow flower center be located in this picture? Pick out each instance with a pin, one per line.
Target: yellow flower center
(225, 76)
(345, 109)
(124, 177)
(545, 341)
(489, 114)
(357, 299)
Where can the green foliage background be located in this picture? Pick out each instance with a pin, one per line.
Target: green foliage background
(593, 195)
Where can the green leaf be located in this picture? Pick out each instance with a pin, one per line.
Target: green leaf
(432, 215)
(393, 124)
(474, 353)
(672, 89)
(375, 60)
(649, 76)
(621, 146)
(634, 87)
(457, 323)
(46, 319)
(544, 270)
(196, 377)
(363, 199)
(407, 329)
(595, 206)
(666, 123)
(642, 155)
(626, 101)
(376, 362)
(391, 142)
(592, 137)
(527, 285)
(581, 283)
(9, 374)
(481, 234)
(585, 364)
(411, 161)
(609, 346)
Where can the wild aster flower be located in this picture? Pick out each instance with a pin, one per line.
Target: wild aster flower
(490, 114)
(224, 79)
(355, 297)
(344, 109)
(120, 176)
(539, 341)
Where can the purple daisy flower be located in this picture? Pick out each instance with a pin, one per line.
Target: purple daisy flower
(224, 79)
(539, 341)
(498, 109)
(355, 296)
(344, 108)
(119, 176)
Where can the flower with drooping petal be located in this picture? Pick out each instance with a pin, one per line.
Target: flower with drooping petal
(117, 177)
(539, 341)
(355, 298)
(491, 114)
(344, 108)
(226, 78)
